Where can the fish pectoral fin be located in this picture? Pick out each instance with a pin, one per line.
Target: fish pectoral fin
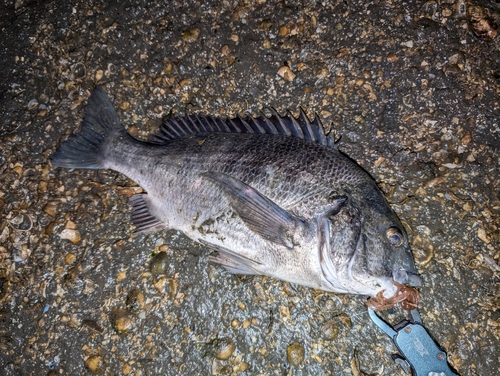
(260, 214)
(142, 219)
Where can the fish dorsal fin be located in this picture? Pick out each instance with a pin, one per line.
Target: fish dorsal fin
(288, 125)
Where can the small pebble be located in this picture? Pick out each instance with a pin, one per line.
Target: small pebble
(122, 274)
(467, 138)
(185, 83)
(71, 225)
(392, 57)
(95, 364)
(21, 222)
(126, 369)
(283, 32)
(99, 74)
(244, 366)
(69, 258)
(481, 234)
(173, 284)
(72, 235)
(286, 73)
(235, 323)
(344, 319)
(51, 208)
(190, 35)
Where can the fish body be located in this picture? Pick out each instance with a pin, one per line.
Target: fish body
(272, 196)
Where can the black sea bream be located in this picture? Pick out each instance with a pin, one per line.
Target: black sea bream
(270, 195)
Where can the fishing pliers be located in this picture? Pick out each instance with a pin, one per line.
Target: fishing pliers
(418, 354)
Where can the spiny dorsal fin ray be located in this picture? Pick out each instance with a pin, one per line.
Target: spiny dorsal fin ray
(278, 120)
(288, 125)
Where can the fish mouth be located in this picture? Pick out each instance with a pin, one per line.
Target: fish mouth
(406, 277)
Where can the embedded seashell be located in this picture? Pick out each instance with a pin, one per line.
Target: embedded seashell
(135, 300)
(111, 70)
(328, 302)
(159, 264)
(121, 321)
(224, 348)
(330, 330)
(32, 104)
(344, 319)
(21, 222)
(79, 70)
(482, 23)
(295, 354)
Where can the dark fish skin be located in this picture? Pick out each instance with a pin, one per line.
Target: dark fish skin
(271, 196)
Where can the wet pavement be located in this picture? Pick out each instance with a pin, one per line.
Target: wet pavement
(413, 91)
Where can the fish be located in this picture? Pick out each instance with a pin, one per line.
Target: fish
(269, 195)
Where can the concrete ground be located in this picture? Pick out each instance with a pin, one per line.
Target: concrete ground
(413, 90)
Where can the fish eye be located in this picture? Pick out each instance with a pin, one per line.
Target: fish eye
(395, 236)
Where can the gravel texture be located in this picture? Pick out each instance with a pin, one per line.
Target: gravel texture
(413, 90)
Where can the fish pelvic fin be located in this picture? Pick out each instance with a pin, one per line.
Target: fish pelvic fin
(233, 265)
(87, 149)
(259, 213)
(233, 262)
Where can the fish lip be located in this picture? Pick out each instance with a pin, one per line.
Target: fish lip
(406, 277)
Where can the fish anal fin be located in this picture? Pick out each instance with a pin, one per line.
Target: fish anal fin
(142, 219)
(260, 214)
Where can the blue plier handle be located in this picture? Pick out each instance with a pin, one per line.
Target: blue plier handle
(419, 353)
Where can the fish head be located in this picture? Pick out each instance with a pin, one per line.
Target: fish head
(386, 254)
(364, 248)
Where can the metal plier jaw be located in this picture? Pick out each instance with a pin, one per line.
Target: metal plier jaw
(418, 354)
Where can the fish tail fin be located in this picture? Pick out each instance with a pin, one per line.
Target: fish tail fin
(88, 148)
